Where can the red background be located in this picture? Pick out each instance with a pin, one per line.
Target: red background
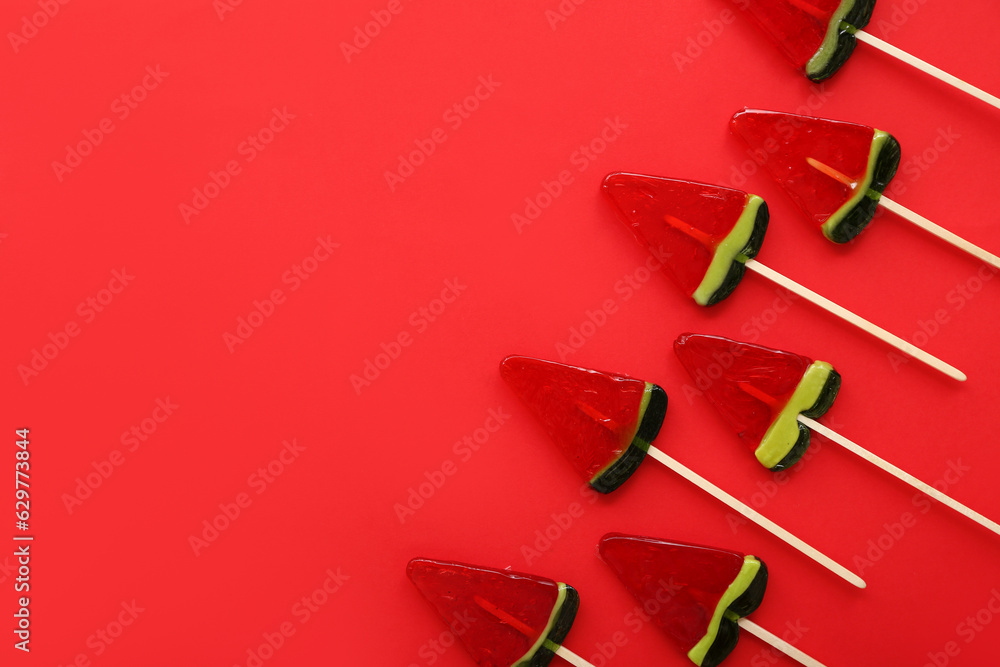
(334, 507)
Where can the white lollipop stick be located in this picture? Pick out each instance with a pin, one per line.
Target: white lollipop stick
(940, 232)
(572, 658)
(856, 320)
(756, 517)
(927, 68)
(779, 643)
(900, 474)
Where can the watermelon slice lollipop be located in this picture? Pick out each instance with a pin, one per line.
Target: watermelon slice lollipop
(604, 425)
(709, 231)
(504, 619)
(602, 422)
(802, 154)
(834, 171)
(818, 36)
(772, 400)
(697, 595)
(761, 392)
(660, 218)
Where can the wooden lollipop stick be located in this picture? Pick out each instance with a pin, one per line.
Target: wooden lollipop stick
(779, 643)
(900, 474)
(857, 321)
(572, 658)
(927, 68)
(907, 214)
(756, 517)
(940, 232)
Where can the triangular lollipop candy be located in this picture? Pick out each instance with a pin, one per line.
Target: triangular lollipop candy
(773, 398)
(504, 619)
(761, 392)
(697, 595)
(696, 591)
(798, 147)
(817, 36)
(650, 208)
(709, 231)
(602, 422)
(605, 427)
(834, 171)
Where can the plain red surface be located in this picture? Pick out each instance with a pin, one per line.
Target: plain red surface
(548, 90)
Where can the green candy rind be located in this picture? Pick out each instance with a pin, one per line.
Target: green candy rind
(786, 439)
(560, 621)
(701, 653)
(854, 215)
(839, 42)
(652, 410)
(742, 243)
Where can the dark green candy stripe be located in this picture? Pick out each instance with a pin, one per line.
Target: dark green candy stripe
(855, 215)
(650, 420)
(839, 43)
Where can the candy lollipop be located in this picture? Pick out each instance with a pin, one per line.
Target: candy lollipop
(707, 235)
(504, 619)
(772, 399)
(698, 595)
(603, 423)
(834, 171)
(818, 36)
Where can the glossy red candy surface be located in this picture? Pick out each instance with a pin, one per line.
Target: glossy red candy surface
(748, 384)
(497, 615)
(797, 27)
(590, 415)
(784, 141)
(682, 220)
(678, 584)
